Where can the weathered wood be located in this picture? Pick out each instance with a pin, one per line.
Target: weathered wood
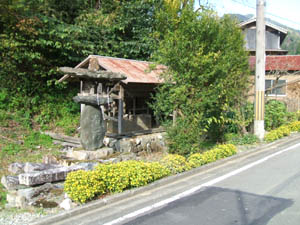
(136, 133)
(106, 117)
(93, 75)
(64, 138)
(93, 64)
(120, 109)
(92, 100)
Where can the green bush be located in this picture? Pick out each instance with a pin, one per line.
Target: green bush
(219, 152)
(275, 114)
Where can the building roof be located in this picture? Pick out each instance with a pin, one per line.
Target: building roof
(252, 23)
(279, 62)
(136, 71)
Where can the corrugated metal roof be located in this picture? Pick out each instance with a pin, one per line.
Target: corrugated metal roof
(279, 62)
(136, 71)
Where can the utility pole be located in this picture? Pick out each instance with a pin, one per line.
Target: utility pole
(259, 128)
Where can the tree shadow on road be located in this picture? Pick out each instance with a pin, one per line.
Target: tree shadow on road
(217, 206)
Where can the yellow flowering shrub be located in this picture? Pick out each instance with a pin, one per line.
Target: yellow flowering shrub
(196, 160)
(82, 186)
(115, 176)
(278, 133)
(294, 126)
(175, 163)
(158, 171)
(219, 152)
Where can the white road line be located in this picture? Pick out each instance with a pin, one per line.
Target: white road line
(193, 190)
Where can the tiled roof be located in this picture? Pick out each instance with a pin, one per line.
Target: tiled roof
(279, 62)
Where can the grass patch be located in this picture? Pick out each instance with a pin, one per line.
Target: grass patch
(2, 197)
(236, 139)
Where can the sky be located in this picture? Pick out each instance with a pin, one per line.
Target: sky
(286, 12)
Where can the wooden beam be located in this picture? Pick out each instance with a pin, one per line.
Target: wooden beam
(92, 99)
(93, 75)
(134, 105)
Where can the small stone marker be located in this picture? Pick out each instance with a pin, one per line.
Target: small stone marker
(47, 176)
(92, 128)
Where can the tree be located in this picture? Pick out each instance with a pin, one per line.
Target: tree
(37, 36)
(207, 76)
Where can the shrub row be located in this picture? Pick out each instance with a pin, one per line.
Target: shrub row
(219, 152)
(282, 131)
(82, 186)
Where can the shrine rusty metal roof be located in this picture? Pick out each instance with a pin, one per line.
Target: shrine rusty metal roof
(135, 70)
(279, 62)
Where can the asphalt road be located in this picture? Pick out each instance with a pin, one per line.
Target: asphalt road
(268, 193)
(257, 188)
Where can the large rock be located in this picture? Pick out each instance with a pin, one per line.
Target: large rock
(34, 196)
(67, 204)
(124, 145)
(92, 128)
(16, 168)
(10, 182)
(88, 165)
(47, 176)
(30, 193)
(90, 155)
(32, 167)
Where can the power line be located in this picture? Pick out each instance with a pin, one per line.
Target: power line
(244, 3)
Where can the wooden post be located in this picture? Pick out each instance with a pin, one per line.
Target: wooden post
(174, 117)
(134, 106)
(120, 110)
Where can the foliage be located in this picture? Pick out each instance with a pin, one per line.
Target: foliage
(207, 77)
(275, 114)
(82, 186)
(277, 133)
(35, 139)
(237, 139)
(292, 42)
(219, 152)
(36, 37)
(294, 126)
(175, 163)
(11, 149)
(2, 196)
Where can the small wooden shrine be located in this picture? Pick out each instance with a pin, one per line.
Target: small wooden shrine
(113, 96)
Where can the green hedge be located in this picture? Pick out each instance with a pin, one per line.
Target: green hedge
(82, 186)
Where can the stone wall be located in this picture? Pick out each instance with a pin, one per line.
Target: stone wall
(292, 96)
